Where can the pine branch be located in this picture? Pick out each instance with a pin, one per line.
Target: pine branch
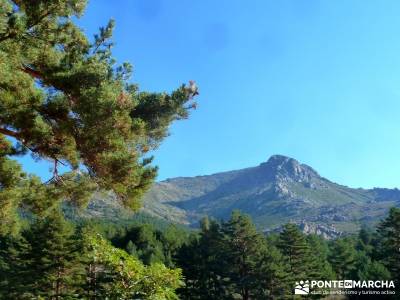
(6, 36)
(32, 72)
(10, 133)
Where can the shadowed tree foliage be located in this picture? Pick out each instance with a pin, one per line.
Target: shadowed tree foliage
(231, 260)
(53, 260)
(319, 265)
(293, 245)
(389, 231)
(43, 261)
(14, 266)
(223, 260)
(244, 252)
(343, 258)
(64, 99)
(203, 264)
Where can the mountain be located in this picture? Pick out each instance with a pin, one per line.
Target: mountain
(278, 191)
(275, 192)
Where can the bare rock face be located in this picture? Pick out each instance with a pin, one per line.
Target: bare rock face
(326, 231)
(288, 169)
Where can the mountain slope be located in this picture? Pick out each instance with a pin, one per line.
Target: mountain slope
(277, 191)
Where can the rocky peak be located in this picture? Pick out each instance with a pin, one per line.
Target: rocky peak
(285, 168)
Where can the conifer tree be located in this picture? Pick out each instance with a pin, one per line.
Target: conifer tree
(203, 263)
(17, 189)
(244, 248)
(389, 232)
(320, 268)
(64, 99)
(131, 249)
(368, 269)
(293, 245)
(343, 258)
(52, 272)
(273, 274)
(14, 267)
(149, 249)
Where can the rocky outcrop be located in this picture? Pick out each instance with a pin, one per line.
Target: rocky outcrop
(326, 231)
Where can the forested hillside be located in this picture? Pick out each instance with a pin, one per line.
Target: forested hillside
(222, 260)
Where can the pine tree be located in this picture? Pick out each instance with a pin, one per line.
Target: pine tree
(389, 232)
(54, 258)
(14, 267)
(16, 188)
(343, 258)
(232, 260)
(365, 238)
(244, 246)
(320, 267)
(172, 238)
(293, 245)
(63, 98)
(368, 269)
(203, 263)
(273, 274)
(131, 249)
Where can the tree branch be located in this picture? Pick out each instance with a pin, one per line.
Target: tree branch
(6, 36)
(8, 132)
(31, 72)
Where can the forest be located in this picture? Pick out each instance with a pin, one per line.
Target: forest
(64, 99)
(55, 259)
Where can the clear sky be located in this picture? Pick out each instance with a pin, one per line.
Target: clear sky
(315, 80)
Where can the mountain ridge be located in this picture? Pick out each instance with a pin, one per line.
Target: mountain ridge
(280, 188)
(275, 192)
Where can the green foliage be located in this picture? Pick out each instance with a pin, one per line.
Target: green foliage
(147, 242)
(63, 98)
(368, 269)
(223, 260)
(231, 261)
(203, 263)
(14, 266)
(293, 245)
(343, 258)
(389, 233)
(319, 264)
(273, 274)
(243, 252)
(43, 262)
(126, 276)
(53, 256)
(52, 260)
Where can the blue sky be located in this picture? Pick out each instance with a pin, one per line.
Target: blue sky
(314, 80)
